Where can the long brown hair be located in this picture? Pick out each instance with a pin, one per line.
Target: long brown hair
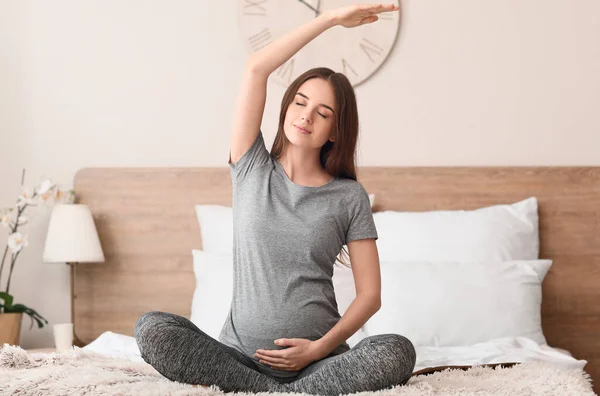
(338, 158)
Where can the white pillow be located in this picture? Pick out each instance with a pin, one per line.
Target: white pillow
(216, 228)
(214, 291)
(460, 303)
(499, 233)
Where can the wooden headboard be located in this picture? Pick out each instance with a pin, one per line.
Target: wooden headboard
(148, 228)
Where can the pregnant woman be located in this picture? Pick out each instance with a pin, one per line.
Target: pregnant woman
(293, 211)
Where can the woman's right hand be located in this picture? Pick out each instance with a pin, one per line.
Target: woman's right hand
(359, 14)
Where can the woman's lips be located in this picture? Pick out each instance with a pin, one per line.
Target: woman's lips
(301, 130)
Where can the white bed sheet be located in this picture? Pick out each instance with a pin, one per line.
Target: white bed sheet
(500, 350)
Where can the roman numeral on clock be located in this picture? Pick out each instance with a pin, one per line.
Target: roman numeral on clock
(371, 49)
(286, 71)
(260, 39)
(346, 66)
(254, 7)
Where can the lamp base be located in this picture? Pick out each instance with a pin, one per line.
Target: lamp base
(76, 341)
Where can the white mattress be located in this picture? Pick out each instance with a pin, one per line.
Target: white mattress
(501, 350)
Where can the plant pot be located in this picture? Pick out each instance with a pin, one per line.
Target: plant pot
(10, 328)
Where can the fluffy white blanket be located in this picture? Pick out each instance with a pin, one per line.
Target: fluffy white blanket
(79, 372)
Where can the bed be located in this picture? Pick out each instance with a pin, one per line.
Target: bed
(146, 222)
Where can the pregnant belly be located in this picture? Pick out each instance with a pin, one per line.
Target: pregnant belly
(247, 338)
(307, 322)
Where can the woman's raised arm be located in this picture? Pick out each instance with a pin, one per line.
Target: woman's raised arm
(252, 96)
(250, 103)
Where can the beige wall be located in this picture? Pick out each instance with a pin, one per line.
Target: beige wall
(152, 83)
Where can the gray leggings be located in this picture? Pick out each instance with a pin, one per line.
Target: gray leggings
(182, 352)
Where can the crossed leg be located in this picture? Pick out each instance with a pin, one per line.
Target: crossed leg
(376, 362)
(182, 352)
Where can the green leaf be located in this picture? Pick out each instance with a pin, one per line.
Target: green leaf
(40, 325)
(31, 317)
(28, 311)
(17, 308)
(7, 298)
(31, 311)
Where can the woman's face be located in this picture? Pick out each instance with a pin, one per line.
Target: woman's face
(312, 109)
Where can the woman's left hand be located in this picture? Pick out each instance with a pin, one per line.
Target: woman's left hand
(299, 355)
(358, 14)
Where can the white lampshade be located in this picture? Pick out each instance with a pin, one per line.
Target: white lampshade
(72, 235)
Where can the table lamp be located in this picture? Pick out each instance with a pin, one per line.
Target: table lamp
(72, 238)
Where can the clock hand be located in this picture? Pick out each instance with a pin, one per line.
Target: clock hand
(309, 6)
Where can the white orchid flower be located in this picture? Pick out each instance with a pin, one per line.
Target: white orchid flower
(25, 198)
(5, 220)
(45, 187)
(17, 241)
(48, 196)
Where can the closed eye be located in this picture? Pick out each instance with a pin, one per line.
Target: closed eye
(322, 115)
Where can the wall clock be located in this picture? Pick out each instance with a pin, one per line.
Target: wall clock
(357, 52)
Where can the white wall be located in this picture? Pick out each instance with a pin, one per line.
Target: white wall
(152, 83)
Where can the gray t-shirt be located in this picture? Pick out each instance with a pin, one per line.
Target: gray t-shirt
(285, 241)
